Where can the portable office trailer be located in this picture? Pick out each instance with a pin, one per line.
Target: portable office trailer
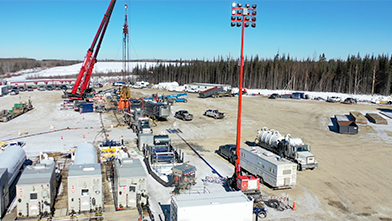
(205, 86)
(213, 206)
(85, 188)
(346, 126)
(272, 169)
(36, 190)
(130, 179)
(4, 197)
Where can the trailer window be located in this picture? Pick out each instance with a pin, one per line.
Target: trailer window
(286, 172)
(33, 196)
(132, 188)
(84, 192)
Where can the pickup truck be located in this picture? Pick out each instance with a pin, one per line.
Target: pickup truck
(214, 113)
(228, 151)
(184, 115)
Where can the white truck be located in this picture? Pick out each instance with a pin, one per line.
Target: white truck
(277, 172)
(288, 147)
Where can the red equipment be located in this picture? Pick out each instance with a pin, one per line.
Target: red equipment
(89, 61)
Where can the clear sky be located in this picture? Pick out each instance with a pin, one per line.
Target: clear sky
(187, 29)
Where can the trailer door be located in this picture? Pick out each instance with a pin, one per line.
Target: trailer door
(132, 195)
(34, 206)
(85, 200)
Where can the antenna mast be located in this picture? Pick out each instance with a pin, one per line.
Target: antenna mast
(125, 43)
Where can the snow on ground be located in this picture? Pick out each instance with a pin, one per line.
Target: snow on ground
(61, 71)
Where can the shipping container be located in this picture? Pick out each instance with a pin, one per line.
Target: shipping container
(3, 90)
(130, 180)
(346, 126)
(212, 206)
(36, 190)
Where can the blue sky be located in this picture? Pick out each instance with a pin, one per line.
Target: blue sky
(64, 29)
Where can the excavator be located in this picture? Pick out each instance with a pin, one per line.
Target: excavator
(81, 86)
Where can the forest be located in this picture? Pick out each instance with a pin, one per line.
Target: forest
(355, 75)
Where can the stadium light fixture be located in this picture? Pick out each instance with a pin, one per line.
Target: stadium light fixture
(245, 17)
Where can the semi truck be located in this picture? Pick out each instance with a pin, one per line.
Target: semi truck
(293, 149)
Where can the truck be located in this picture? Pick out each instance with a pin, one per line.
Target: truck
(3, 90)
(184, 176)
(293, 149)
(172, 98)
(214, 113)
(155, 109)
(210, 92)
(277, 172)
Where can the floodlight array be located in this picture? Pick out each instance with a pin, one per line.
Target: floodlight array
(243, 15)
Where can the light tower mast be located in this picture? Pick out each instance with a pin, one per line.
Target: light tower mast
(125, 43)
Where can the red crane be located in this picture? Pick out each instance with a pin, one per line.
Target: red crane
(82, 82)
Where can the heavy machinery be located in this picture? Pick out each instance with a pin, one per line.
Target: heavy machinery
(184, 176)
(125, 95)
(156, 110)
(293, 149)
(17, 110)
(83, 79)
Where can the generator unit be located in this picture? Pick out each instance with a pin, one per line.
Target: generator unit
(85, 181)
(4, 197)
(36, 190)
(130, 180)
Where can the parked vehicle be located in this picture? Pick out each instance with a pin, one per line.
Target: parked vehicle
(21, 88)
(228, 151)
(41, 88)
(14, 92)
(333, 99)
(184, 176)
(184, 115)
(273, 96)
(350, 100)
(119, 83)
(214, 113)
(191, 90)
(293, 149)
(49, 87)
(30, 88)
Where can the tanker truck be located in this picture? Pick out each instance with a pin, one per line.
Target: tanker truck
(293, 149)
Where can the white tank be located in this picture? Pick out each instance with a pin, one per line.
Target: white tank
(13, 159)
(86, 153)
(271, 137)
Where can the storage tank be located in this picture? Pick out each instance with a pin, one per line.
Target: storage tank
(270, 137)
(4, 196)
(85, 153)
(13, 159)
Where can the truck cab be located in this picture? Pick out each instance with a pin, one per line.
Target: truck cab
(228, 151)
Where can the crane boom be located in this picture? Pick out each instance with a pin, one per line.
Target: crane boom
(86, 70)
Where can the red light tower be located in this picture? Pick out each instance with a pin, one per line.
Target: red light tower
(241, 17)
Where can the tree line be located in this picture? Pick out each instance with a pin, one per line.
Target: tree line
(355, 75)
(12, 65)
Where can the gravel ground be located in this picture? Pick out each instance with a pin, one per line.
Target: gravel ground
(351, 183)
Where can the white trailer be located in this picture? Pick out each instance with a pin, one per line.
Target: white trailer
(36, 190)
(213, 206)
(3, 90)
(85, 181)
(130, 180)
(4, 195)
(205, 86)
(273, 170)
